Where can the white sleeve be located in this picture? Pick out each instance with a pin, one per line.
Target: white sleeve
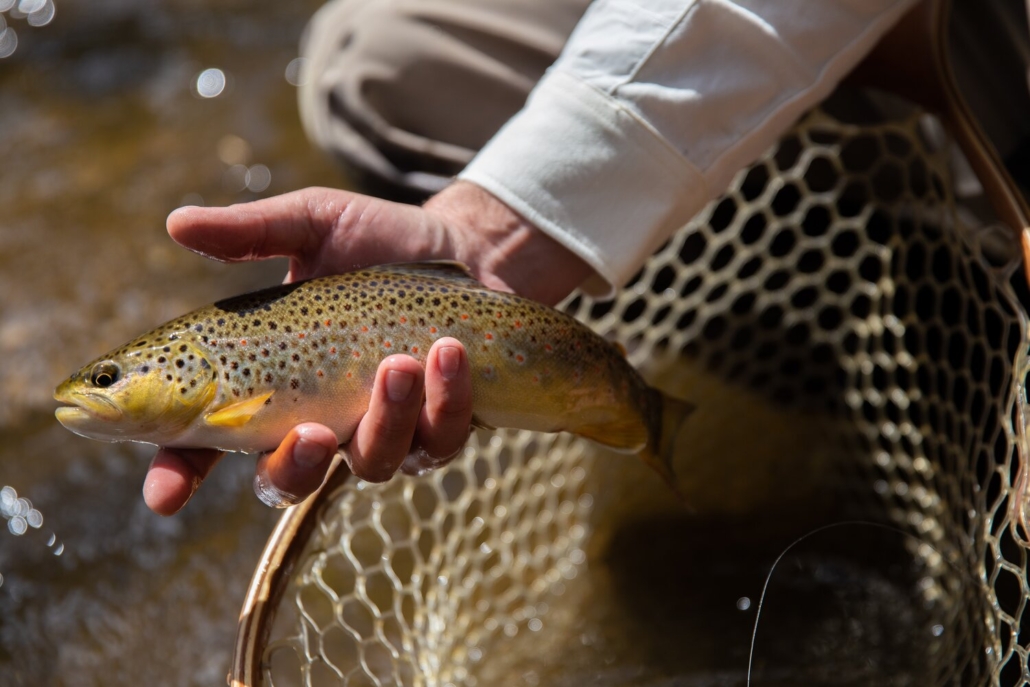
(654, 105)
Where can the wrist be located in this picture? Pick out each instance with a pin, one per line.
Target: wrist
(504, 250)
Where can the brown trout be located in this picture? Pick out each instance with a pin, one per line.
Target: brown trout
(239, 374)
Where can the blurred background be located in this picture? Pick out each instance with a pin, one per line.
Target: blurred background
(112, 114)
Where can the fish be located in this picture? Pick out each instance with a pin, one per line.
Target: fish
(237, 375)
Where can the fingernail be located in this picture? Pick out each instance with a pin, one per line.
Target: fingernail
(306, 452)
(398, 385)
(449, 359)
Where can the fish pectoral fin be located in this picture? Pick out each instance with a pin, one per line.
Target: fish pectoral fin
(237, 414)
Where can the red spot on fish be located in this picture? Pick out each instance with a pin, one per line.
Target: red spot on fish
(547, 347)
(536, 379)
(243, 342)
(414, 349)
(498, 314)
(432, 330)
(328, 322)
(349, 375)
(320, 373)
(387, 344)
(403, 319)
(301, 335)
(357, 354)
(464, 316)
(333, 350)
(518, 325)
(519, 357)
(489, 336)
(364, 328)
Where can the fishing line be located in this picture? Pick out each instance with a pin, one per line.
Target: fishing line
(812, 533)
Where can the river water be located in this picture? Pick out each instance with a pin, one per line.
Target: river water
(102, 134)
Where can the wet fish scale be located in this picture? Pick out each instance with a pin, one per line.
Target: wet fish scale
(251, 367)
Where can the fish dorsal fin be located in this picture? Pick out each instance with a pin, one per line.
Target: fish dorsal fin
(237, 414)
(445, 269)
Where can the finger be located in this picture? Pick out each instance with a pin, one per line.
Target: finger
(443, 425)
(293, 471)
(175, 475)
(292, 225)
(384, 436)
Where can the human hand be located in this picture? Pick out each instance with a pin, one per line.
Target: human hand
(326, 231)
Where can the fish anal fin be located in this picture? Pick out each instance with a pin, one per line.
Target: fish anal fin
(626, 435)
(237, 414)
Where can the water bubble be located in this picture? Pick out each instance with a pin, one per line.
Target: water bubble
(233, 150)
(743, 603)
(937, 630)
(271, 495)
(59, 550)
(42, 16)
(234, 179)
(210, 83)
(258, 178)
(34, 518)
(8, 42)
(1, 580)
(296, 74)
(29, 6)
(535, 625)
(17, 525)
(5, 5)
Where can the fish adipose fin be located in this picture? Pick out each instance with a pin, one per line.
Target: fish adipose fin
(237, 414)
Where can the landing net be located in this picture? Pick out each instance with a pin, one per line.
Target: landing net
(837, 274)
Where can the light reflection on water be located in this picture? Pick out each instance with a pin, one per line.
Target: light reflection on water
(97, 110)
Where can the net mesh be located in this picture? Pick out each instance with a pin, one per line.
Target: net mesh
(837, 273)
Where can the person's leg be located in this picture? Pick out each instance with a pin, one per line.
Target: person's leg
(404, 92)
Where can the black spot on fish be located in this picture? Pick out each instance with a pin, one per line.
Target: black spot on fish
(180, 363)
(145, 369)
(162, 360)
(167, 349)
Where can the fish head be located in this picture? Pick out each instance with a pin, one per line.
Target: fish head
(145, 391)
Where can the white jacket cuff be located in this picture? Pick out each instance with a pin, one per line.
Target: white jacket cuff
(567, 190)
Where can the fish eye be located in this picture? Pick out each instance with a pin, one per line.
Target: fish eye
(104, 374)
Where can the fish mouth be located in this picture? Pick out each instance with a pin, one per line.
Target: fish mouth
(84, 407)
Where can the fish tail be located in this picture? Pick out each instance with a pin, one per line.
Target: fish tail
(665, 418)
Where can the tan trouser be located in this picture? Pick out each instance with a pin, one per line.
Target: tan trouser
(404, 92)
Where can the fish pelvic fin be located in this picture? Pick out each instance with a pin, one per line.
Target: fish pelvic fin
(237, 414)
(665, 418)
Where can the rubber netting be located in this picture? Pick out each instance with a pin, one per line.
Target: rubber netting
(837, 272)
